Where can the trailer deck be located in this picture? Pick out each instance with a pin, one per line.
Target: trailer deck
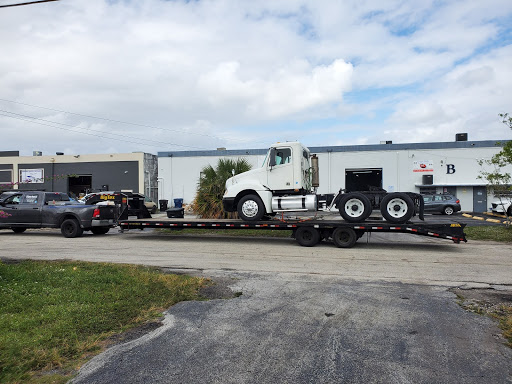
(309, 232)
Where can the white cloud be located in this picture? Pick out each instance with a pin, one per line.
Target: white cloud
(241, 74)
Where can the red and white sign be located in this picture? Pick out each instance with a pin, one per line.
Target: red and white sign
(423, 166)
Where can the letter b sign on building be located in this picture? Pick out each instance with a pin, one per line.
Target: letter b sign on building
(450, 168)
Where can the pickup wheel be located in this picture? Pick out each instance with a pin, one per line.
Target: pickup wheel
(100, 230)
(19, 230)
(344, 237)
(307, 236)
(251, 208)
(355, 207)
(397, 207)
(71, 228)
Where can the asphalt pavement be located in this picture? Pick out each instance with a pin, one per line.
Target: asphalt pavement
(312, 329)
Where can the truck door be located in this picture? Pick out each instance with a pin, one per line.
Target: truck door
(10, 208)
(29, 209)
(280, 169)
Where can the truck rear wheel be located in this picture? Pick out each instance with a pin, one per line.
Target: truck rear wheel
(355, 207)
(307, 236)
(71, 228)
(100, 230)
(344, 237)
(18, 230)
(397, 207)
(251, 208)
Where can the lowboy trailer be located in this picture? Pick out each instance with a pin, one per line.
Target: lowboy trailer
(309, 232)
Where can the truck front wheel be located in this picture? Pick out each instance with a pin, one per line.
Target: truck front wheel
(71, 228)
(397, 208)
(251, 208)
(355, 207)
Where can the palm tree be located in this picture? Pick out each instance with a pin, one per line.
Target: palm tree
(210, 188)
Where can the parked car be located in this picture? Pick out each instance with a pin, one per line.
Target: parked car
(443, 203)
(502, 205)
(150, 204)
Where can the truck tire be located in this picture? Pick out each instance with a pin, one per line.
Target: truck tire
(397, 208)
(100, 230)
(307, 236)
(448, 210)
(344, 237)
(251, 208)
(355, 207)
(71, 228)
(19, 230)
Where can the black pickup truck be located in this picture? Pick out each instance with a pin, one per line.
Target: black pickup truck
(21, 210)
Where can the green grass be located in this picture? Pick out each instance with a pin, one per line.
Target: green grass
(53, 315)
(230, 232)
(489, 232)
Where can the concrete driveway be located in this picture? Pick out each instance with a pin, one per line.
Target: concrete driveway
(380, 312)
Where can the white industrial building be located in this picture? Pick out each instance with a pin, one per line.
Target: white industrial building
(450, 167)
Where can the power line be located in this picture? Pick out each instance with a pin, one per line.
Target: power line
(117, 137)
(126, 122)
(27, 3)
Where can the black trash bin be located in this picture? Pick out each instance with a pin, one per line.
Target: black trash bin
(163, 205)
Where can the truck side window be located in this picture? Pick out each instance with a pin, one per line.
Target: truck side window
(14, 199)
(30, 199)
(283, 156)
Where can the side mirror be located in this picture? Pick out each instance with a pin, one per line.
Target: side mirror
(272, 161)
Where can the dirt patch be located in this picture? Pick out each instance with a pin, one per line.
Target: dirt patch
(486, 299)
(489, 302)
(218, 288)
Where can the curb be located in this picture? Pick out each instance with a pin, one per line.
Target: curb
(497, 221)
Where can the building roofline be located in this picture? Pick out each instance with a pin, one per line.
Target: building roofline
(345, 148)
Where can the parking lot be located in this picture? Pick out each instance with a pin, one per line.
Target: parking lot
(379, 312)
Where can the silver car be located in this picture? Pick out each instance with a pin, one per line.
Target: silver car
(443, 203)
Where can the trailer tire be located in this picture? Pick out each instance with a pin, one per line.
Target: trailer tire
(397, 208)
(355, 207)
(307, 236)
(100, 230)
(71, 228)
(344, 237)
(251, 208)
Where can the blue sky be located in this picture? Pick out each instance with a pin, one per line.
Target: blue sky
(95, 76)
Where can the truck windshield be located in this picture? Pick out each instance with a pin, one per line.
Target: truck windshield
(265, 159)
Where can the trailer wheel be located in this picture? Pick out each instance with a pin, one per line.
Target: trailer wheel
(71, 228)
(397, 207)
(251, 208)
(307, 236)
(355, 207)
(344, 237)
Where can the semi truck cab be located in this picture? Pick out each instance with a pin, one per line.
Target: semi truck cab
(287, 182)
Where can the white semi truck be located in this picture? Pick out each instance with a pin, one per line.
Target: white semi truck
(288, 180)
